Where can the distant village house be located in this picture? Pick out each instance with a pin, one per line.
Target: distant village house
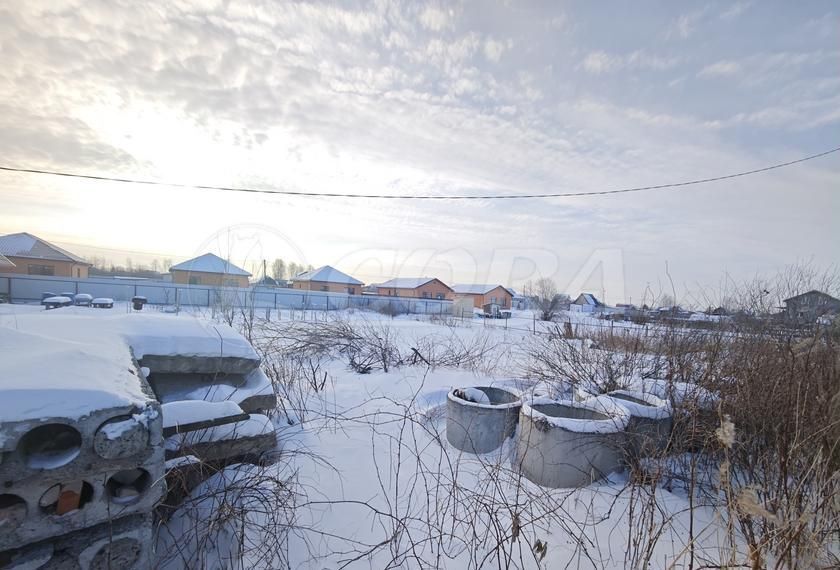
(810, 306)
(327, 279)
(485, 294)
(418, 287)
(31, 255)
(209, 269)
(587, 303)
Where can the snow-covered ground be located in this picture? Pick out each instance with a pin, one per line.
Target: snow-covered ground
(369, 481)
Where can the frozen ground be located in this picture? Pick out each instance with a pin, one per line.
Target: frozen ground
(370, 482)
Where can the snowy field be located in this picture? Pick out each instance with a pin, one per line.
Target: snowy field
(364, 477)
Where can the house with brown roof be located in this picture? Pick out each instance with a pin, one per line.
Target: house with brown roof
(417, 287)
(327, 279)
(209, 269)
(31, 255)
(483, 294)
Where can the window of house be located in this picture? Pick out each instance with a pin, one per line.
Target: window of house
(41, 269)
(439, 296)
(230, 283)
(78, 272)
(195, 280)
(351, 290)
(325, 287)
(425, 294)
(493, 300)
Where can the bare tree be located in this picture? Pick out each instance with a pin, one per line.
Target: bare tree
(278, 269)
(544, 293)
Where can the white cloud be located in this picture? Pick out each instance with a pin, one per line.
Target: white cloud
(720, 68)
(684, 25)
(493, 50)
(598, 62)
(735, 10)
(308, 96)
(436, 19)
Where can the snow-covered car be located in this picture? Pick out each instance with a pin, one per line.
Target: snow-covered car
(102, 303)
(83, 299)
(57, 301)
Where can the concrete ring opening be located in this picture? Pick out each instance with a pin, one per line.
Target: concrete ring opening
(13, 511)
(127, 486)
(121, 437)
(50, 446)
(66, 497)
(651, 421)
(121, 553)
(481, 418)
(570, 444)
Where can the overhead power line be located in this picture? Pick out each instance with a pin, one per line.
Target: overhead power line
(672, 185)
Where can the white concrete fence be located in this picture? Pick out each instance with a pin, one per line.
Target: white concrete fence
(30, 288)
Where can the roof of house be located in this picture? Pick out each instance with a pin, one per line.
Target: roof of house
(26, 245)
(327, 274)
(477, 289)
(811, 292)
(268, 281)
(588, 299)
(5, 261)
(410, 282)
(210, 263)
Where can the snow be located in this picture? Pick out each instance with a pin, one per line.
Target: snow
(372, 466)
(476, 289)
(70, 362)
(657, 408)
(210, 263)
(327, 274)
(617, 421)
(256, 425)
(115, 430)
(677, 392)
(190, 411)
(29, 246)
(58, 299)
(474, 395)
(181, 461)
(406, 282)
(163, 335)
(193, 387)
(45, 377)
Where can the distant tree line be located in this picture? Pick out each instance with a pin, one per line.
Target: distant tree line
(282, 270)
(104, 266)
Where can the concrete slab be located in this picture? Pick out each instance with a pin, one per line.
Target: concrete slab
(124, 543)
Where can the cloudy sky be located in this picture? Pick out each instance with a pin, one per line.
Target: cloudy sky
(434, 98)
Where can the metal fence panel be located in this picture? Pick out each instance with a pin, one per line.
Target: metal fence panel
(28, 288)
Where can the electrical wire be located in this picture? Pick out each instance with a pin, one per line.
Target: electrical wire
(673, 185)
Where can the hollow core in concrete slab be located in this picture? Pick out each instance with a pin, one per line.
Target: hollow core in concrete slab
(51, 446)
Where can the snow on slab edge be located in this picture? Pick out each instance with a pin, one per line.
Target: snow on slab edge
(183, 412)
(617, 422)
(47, 377)
(254, 426)
(186, 337)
